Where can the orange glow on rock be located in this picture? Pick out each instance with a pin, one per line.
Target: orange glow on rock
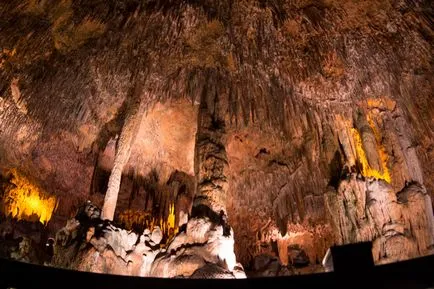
(381, 103)
(131, 218)
(26, 201)
(367, 171)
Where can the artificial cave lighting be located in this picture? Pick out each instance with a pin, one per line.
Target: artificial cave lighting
(139, 220)
(215, 139)
(367, 171)
(27, 201)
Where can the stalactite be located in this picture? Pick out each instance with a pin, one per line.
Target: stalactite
(27, 201)
(284, 60)
(140, 220)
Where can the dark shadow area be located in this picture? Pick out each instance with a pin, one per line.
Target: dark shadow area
(335, 169)
(351, 258)
(414, 274)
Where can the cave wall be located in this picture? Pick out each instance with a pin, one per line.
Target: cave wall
(316, 192)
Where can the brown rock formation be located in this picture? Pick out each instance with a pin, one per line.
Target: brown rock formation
(206, 248)
(369, 210)
(211, 163)
(123, 149)
(312, 120)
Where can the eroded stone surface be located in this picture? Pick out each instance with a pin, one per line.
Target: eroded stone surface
(201, 250)
(296, 76)
(365, 210)
(104, 249)
(202, 242)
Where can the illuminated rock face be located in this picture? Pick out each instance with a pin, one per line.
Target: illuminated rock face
(379, 168)
(343, 187)
(369, 210)
(88, 244)
(201, 250)
(327, 109)
(202, 242)
(140, 220)
(24, 200)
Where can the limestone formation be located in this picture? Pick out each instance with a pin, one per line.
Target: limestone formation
(92, 245)
(206, 247)
(156, 235)
(258, 128)
(127, 136)
(201, 243)
(211, 163)
(369, 210)
(95, 246)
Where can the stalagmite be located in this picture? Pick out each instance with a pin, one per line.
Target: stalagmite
(211, 164)
(129, 130)
(207, 243)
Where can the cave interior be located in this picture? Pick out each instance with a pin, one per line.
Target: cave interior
(215, 139)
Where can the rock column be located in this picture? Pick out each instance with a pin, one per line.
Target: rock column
(123, 150)
(211, 163)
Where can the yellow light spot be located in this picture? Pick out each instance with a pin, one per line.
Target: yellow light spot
(367, 171)
(381, 103)
(131, 218)
(171, 217)
(27, 200)
(374, 102)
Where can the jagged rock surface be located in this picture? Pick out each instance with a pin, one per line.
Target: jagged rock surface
(95, 246)
(190, 253)
(369, 210)
(296, 72)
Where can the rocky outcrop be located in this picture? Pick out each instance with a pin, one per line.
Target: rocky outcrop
(88, 244)
(369, 210)
(119, 252)
(200, 251)
(203, 242)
